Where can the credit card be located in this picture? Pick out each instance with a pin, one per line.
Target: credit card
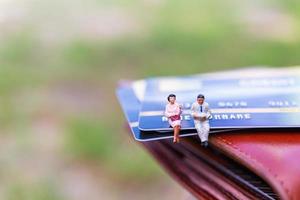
(131, 107)
(139, 86)
(264, 112)
(186, 88)
(268, 99)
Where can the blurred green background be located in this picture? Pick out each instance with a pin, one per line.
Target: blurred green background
(63, 135)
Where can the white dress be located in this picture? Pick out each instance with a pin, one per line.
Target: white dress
(173, 110)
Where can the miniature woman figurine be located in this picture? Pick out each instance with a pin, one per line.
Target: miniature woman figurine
(172, 112)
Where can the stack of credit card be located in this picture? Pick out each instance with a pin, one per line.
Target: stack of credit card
(256, 97)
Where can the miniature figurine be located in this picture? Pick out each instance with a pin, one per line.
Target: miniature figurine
(201, 113)
(172, 112)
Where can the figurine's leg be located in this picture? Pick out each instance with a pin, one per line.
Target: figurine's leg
(174, 138)
(205, 128)
(199, 129)
(176, 133)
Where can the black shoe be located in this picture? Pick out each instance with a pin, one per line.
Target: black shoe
(204, 144)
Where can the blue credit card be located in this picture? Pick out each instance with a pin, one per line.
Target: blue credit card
(172, 82)
(131, 108)
(263, 112)
(187, 88)
(263, 100)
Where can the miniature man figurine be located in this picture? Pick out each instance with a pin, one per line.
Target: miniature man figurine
(201, 113)
(172, 112)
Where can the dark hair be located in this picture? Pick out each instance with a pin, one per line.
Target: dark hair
(200, 96)
(171, 95)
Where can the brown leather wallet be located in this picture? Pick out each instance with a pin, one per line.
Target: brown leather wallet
(244, 164)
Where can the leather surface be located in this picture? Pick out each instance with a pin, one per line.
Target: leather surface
(274, 155)
(198, 177)
(271, 154)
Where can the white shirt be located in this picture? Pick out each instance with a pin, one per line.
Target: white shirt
(200, 109)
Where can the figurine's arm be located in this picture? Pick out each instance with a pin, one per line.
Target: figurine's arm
(179, 109)
(194, 112)
(208, 114)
